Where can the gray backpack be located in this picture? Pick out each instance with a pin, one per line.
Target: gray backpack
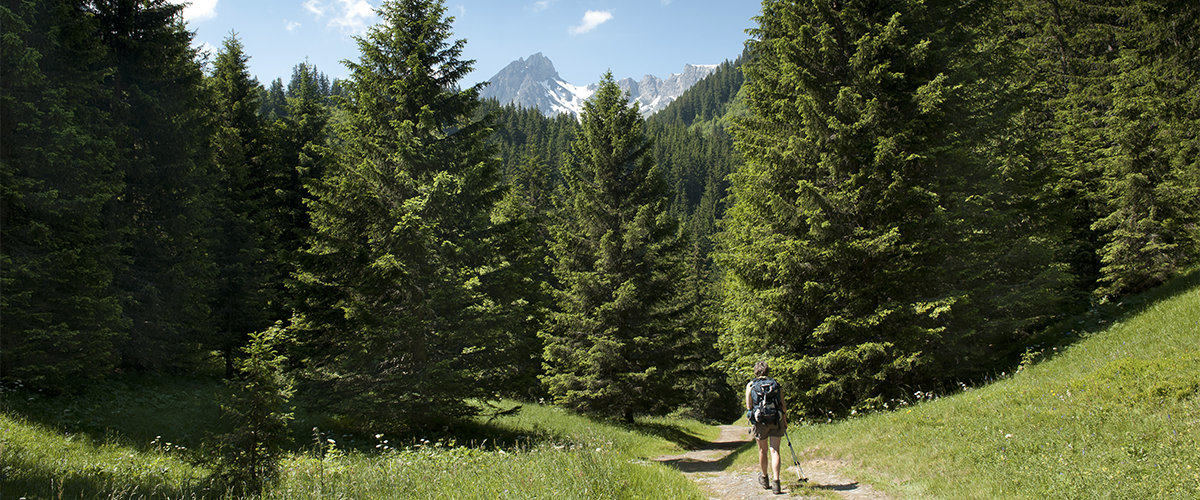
(765, 394)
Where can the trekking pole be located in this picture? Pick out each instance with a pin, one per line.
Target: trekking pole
(795, 461)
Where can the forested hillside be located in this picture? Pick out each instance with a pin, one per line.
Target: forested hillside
(926, 184)
(876, 198)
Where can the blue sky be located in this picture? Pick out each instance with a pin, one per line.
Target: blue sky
(583, 38)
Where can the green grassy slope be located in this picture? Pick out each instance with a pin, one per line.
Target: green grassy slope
(140, 438)
(1108, 407)
(1114, 414)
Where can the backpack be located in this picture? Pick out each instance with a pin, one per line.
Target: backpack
(765, 394)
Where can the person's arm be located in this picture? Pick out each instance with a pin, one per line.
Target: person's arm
(749, 400)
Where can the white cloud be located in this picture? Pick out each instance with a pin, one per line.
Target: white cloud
(291, 25)
(591, 19)
(349, 16)
(542, 5)
(198, 10)
(315, 7)
(208, 48)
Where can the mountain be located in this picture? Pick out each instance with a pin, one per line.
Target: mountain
(534, 83)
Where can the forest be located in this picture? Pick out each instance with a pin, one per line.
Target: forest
(876, 197)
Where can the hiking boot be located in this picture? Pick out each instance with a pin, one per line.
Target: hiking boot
(766, 484)
(777, 488)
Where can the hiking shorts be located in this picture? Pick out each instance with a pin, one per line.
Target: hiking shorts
(764, 431)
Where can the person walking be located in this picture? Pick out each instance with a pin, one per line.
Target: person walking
(767, 413)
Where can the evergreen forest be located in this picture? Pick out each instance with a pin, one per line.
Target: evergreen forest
(876, 198)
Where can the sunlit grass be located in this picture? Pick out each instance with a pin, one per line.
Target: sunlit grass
(432, 471)
(1115, 415)
(539, 452)
(42, 463)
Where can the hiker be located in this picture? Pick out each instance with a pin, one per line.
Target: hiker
(767, 413)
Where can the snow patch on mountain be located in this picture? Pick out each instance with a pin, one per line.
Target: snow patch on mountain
(566, 98)
(534, 83)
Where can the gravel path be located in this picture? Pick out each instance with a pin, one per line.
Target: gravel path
(711, 467)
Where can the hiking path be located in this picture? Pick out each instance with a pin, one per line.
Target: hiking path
(711, 466)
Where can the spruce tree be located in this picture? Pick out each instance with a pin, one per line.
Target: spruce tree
(258, 409)
(159, 123)
(621, 315)
(1117, 86)
(245, 277)
(402, 319)
(61, 322)
(301, 155)
(866, 251)
(273, 101)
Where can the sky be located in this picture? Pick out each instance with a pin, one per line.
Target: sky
(583, 38)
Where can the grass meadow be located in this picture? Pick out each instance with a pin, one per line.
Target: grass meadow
(139, 439)
(1106, 405)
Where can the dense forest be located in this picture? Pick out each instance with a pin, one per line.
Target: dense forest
(876, 197)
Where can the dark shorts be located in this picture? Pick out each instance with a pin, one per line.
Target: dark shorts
(764, 431)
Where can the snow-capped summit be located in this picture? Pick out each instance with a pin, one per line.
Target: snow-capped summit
(534, 83)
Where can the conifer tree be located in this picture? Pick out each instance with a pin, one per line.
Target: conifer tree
(159, 119)
(300, 157)
(866, 250)
(61, 323)
(259, 410)
(1117, 83)
(402, 320)
(245, 277)
(621, 314)
(273, 101)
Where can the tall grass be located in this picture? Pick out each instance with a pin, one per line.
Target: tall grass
(1107, 407)
(102, 445)
(40, 462)
(434, 471)
(556, 454)
(1113, 415)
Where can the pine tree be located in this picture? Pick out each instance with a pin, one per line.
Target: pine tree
(1118, 83)
(57, 174)
(245, 282)
(403, 320)
(861, 248)
(621, 315)
(159, 124)
(301, 158)
(258, 408)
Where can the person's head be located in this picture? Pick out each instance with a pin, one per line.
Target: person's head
(761, 369)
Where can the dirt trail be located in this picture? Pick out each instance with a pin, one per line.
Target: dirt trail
(711, 467)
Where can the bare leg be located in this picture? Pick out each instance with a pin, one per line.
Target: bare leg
(775, 458)
(764, 456)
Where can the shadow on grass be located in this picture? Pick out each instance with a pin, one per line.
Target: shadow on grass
(129, 410)
(1101, 317)
(1054, 339)
(677, 434)
(25, 479)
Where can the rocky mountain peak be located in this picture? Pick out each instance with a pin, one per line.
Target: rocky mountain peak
(534, 83)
